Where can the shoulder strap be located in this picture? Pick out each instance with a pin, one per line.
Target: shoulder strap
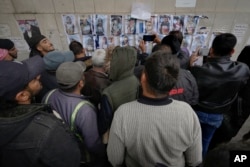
(48, 96)
(74, 113)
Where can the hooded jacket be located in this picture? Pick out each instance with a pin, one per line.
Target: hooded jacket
(31, 137)
(125, 85)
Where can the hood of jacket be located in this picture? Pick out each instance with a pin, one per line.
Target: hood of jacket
(122, 63)
(13, 121)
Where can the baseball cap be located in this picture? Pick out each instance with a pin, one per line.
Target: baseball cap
(34, 40)
(14, 76)
(54, 58)
(68, 74)
(6, 44)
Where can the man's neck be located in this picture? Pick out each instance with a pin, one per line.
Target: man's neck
(81, 55)
(98, 69)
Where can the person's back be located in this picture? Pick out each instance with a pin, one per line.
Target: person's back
(219, 80)
(186, 88)
(96, 79)
(74, 109)
(124, 87)
(30, 135)
(155, 128)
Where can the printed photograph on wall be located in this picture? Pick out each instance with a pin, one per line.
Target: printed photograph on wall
(75, 37)
(151, 25)
(130, 25)
(86, 24)
(29, 28)
(89, 44)
(69, 22)
(140, 26)
(199, 41)
(178, 23)
(164, 24)
(101, 23)
(116, 25)
(190, 24)
(127, 40)
(103, 42)
(186, 43)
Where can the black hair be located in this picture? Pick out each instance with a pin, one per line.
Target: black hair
(172, 42)
(244, 56)
(76, 47)
(223, 44)
(161, 70)
(178, 35)
(158, 47)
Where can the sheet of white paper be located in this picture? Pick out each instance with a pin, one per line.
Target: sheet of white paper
(20, 43)
(5, 30)
(185, 3)
(239, 31)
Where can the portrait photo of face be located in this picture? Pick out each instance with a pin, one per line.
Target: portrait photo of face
(178, 23)
(69, 24)
(165, 24)
(116, 25)
(100, 24)
(86, 24)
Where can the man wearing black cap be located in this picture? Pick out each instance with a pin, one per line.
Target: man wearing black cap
(30, 136)
(40, 45)
(10, 46)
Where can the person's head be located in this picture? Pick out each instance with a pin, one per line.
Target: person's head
(223, 45)
(77, 48)
(10, 46)
(160, 74)
(70, 76)
(41, 44)
(68, 20)
(98, 58)
(53, 59)
(19, 82)
(178, 35)
(172, 42)
(244, 55)
(220, 156)
(158, 47)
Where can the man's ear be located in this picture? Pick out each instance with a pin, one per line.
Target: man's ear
(39, 48)
(232, 52)
(143, 77)
(22, 96)
(81, 84)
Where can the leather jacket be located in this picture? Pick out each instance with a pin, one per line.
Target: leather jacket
(219, 80)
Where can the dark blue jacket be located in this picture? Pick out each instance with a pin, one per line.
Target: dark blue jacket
(30, 137)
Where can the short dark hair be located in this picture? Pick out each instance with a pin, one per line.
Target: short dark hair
(172, 42)
(178, 35)
(161, 70)
(223, 44)
(76, 47)
(158, 47)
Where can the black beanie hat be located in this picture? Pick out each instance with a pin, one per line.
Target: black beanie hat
(6, 44)
(172, 42)
(34, 40)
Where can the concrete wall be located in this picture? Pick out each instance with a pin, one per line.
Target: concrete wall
(222, 14)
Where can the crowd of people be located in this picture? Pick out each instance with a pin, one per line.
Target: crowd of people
(121, 106)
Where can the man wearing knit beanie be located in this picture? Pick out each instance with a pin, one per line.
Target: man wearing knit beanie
(10, 46)
(40, 45)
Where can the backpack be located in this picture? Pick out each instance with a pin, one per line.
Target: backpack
(72, 121)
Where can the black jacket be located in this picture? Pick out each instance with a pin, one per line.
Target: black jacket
(30, 137)
(219, 81)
